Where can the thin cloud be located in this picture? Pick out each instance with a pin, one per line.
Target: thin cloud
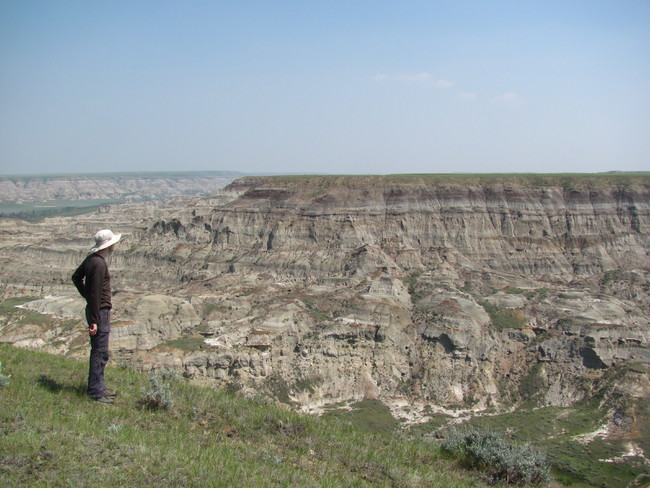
(511, 99)
(422, 77)
(414, 78)
(444, 83)
(404, 77)
(467, 95)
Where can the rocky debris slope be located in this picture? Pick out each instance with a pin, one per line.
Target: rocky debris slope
(455, 293)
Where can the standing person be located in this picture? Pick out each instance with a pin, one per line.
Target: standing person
(93, 281)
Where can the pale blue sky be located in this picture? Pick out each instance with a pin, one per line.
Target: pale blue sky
(324, 87)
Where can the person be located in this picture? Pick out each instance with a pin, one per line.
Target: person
(93, 281)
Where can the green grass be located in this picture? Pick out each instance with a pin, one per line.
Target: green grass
(312, 304)
(505, 318)
(567, 181)
(367, 415)
(20, 316)
(553, 430)
(185, 344)
(9, 305)
(53, 435)
(37, 211)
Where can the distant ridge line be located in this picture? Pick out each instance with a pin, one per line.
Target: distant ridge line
(241, 174)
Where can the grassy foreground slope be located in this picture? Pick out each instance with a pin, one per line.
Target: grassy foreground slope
(53, 435)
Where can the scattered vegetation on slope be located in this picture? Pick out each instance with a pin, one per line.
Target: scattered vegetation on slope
(579, 453)
(566, 181)
(503, 461)
(37, 211)
(53, 435)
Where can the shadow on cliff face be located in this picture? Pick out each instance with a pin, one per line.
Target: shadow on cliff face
(446, 343)
(590, 359)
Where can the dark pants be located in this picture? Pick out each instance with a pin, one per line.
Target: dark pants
(99, 353)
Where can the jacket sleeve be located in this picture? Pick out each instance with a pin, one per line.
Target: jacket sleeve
(78, 279)
(93, 290)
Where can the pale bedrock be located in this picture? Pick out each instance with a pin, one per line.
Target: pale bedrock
(517, 231)
(152, 319)
(332, 292)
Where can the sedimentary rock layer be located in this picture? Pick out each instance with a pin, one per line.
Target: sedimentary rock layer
(455, 292)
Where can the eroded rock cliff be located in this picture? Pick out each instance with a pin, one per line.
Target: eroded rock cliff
(427, 292)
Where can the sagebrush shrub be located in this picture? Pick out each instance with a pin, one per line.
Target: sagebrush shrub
(158, 395)
(487, 451)
(167, 374)
(4, 379)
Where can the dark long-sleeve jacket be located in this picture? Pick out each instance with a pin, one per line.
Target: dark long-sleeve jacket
(93, 281)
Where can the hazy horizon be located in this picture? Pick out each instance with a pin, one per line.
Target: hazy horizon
(332, 88)
(241, 174)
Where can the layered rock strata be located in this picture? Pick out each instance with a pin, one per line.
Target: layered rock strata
(455, 293)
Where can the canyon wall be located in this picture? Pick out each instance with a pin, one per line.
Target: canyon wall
(430, 293)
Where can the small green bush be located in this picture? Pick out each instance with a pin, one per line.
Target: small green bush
(505, 318)
(168, 374)
(158, 395)
(488, 452)
(4, 378)
(511, 290)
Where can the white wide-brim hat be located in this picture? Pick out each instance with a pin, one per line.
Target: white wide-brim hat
(105, 238)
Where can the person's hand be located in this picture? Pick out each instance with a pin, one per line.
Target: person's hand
(92, 329)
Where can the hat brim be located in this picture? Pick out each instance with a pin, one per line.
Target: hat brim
(113, 240)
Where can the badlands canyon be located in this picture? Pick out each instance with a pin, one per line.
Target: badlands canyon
(429, 293)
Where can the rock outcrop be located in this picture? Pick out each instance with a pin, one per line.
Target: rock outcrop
(452, 292)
